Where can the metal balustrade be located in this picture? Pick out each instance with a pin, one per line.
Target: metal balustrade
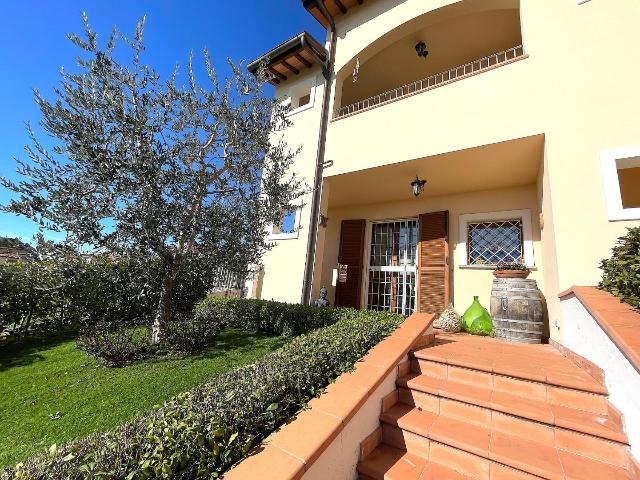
(477, 66)
(226, 280)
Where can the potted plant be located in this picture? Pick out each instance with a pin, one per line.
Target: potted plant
(515, 269)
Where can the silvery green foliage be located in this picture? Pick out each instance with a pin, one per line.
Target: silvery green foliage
(157, 168)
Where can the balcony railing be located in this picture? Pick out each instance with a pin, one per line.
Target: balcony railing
(457, 73)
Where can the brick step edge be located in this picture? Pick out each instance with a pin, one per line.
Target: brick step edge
(465, 443)
(594, 388)
(614, 436)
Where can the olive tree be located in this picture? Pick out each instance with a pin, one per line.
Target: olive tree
(159, 168)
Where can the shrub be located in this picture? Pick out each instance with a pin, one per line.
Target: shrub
(201, 433)
(270, 317)
(191, 333)
(116, 345)
(71, 293)
(621, 272)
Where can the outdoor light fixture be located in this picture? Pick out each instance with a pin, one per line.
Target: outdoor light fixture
(421, 49)
(418, 186)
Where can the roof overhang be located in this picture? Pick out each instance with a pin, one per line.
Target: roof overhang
(291, 58)
(334, 7)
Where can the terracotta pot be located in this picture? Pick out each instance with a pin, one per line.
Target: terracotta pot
(511, 273)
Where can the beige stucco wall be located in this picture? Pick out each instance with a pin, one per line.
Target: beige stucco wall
(590, 105)
(466, 281)
(284, 264)
(578, 87)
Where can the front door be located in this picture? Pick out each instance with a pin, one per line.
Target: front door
(392, 266)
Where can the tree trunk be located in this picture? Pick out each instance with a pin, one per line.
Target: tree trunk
(165, 308)
(25, 321)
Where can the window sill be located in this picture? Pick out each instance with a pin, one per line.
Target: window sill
(301, 109)
(282, 236)
(489, 267)
(624, 215)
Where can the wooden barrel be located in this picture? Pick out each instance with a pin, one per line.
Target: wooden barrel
(517, 310)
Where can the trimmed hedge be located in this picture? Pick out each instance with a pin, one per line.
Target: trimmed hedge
(72, 293)
(116, 344)
(201, 433)
(621, 272)
(275, 318)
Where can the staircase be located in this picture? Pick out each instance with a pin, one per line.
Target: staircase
(477, 408)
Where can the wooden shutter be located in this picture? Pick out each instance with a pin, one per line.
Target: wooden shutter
(348, 294)
(433, 262)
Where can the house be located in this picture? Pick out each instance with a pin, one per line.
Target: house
(520, 116)
(14, 250)
(443, 137)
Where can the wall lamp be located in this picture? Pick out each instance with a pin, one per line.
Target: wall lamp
(421, 49)
(418, 186)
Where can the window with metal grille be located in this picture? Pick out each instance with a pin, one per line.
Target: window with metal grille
(489, 243)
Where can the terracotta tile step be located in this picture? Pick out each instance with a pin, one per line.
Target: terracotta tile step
(589, 401)
(514, 368)
(584, 444)
(541, 411)
(471, 449)
(378, 466)
(388, 463)
(537, 363)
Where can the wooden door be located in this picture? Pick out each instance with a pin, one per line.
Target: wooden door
(352, 232)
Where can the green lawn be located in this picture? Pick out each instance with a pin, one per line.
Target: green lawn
(50, 392)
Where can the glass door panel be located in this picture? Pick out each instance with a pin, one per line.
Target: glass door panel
(392, 266)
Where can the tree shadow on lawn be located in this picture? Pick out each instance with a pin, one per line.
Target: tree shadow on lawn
(230, 340)
(241, 341)
(20, 352)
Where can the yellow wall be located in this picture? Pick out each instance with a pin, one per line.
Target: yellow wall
(587, 105)
(578, 87)
(284, 264)
(548, 246)
(466, 282)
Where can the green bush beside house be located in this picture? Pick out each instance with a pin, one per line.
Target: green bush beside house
(621, 272)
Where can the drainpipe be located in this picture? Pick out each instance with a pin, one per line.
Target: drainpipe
(317, 182)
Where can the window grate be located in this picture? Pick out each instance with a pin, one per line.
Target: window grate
(490, 243)
(392, 267)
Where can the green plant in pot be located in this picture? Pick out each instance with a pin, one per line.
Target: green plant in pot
(515, 269)
(476, 320)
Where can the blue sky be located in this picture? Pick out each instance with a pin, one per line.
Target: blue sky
(33, 47)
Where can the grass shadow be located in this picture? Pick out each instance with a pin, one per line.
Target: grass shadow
(19, 352)
(238, 340)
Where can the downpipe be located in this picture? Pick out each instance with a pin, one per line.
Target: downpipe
(322, 139)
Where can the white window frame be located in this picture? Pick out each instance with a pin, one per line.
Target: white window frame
(287, 235)
(527, 234)
(613, 197)
(312, 83)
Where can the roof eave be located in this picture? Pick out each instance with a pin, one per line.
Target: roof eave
(290, 47)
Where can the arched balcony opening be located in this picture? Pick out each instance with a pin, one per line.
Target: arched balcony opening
(432, 50)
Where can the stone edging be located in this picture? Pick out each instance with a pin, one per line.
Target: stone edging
(288, 453)
(617, 319)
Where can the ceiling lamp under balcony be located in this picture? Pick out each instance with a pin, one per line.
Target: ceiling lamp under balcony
(421, 49)
(418, 186)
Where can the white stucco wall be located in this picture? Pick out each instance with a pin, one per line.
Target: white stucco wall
(340, 459)
(584, 336)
